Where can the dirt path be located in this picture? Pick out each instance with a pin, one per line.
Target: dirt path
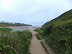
(36, 47)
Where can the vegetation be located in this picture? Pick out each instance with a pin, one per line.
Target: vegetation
(58, 33)
(14, 42)
(5, 29)
(37, 29)
(44, 48)
(4, 24)
(37, 36)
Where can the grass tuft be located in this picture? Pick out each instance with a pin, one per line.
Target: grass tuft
(38, 37)
(44, 47)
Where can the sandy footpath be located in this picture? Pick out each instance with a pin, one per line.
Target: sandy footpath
(36, 47)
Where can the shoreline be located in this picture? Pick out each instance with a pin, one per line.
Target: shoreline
(21, 27)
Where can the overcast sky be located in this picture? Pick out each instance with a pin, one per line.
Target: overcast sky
(34, 12)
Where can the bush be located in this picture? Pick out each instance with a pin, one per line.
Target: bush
(15, 42)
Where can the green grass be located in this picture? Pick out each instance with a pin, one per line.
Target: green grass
(5, 29)
(37, 36)
(44, 47)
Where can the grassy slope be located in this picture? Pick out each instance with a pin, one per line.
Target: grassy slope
(58, 33)
(14, 42)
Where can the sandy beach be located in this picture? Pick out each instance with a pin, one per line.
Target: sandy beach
(20, 27)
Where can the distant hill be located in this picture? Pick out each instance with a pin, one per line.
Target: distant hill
(4, 24)
(58, 33)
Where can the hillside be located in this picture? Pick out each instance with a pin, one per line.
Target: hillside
(58, 33)
(4, 24)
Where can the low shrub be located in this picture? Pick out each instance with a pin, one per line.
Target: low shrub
(15, 42)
